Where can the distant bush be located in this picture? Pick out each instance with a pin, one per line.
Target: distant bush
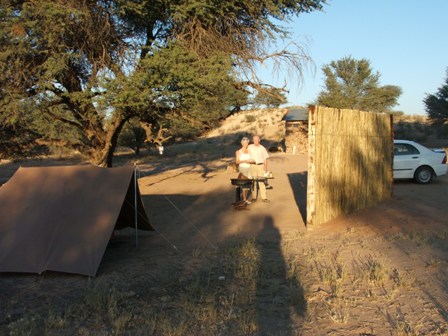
(415, 130)
(250, 118)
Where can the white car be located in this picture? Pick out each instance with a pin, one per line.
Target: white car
(414, 161)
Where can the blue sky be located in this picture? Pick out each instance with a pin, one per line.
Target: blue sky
(406, 41)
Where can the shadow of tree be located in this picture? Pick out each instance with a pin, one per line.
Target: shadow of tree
(198, 154)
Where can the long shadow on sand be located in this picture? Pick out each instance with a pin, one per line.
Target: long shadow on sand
(277, 292)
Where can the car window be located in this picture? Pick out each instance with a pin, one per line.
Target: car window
(405, 149)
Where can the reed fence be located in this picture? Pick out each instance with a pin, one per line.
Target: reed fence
(350, 162)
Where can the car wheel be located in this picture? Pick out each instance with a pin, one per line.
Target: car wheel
(424, 175)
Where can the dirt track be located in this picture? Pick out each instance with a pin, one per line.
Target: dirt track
(204, 196)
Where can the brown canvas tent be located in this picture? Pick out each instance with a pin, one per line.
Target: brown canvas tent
(61, 218)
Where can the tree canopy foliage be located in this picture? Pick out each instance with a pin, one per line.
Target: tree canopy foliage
(352, 84)
(270, 97)
(437, 104)
(79, 70)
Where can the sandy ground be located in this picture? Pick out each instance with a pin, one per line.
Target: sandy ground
(190, 207)
(205, 198)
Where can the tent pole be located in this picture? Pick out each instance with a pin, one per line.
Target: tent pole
(135, 206)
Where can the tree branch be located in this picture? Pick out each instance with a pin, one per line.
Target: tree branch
(159, 139)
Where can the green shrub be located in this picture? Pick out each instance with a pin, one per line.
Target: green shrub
(250, 118)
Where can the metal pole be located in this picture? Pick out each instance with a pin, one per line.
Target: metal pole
(135, 206)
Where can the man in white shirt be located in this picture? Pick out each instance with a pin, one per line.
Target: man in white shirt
(260, 155)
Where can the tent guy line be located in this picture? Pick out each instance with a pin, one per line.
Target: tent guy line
(188, 220)
(161, 235)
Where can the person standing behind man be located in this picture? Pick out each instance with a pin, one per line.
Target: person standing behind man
(260, 155)
(244, 160)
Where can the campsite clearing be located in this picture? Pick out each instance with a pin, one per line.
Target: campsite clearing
(212, 270)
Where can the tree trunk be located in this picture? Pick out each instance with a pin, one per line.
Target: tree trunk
(104, 156)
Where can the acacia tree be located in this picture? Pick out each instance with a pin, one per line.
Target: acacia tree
(351, 84)
(437, 104)
(271, 97)
(91, 65)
